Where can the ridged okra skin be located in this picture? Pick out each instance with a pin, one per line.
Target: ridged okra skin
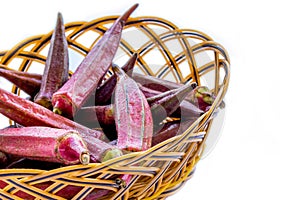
(44, 143)
(56, 71)
(132, 114)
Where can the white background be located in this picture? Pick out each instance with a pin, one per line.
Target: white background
(257, 156)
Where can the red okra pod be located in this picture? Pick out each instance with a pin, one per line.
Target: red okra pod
(155, 83)
(167, 105)
(186, 110)
(96, 114)
(27, 113)
(156, 98)
(202, 97)
(56, 69)
(104, 92)
(148, 92)
(23, 80)
(101, 151)
(98, 151)
(76, 91)
(22, 73)
(132, 113)
(170, 129)
(46, 144)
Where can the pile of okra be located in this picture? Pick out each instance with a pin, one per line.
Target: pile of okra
(90, 116)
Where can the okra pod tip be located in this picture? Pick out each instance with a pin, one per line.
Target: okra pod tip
(117, 70)
(59, 18)
(129, 65)
(126, 15)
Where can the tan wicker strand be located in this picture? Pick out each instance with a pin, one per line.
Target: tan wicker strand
(158, 172)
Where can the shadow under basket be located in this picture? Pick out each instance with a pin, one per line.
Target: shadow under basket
(165, 51)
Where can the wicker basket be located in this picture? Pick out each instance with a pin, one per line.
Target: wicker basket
(181, 55)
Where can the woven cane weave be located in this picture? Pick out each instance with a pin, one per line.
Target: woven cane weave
(165, 51)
